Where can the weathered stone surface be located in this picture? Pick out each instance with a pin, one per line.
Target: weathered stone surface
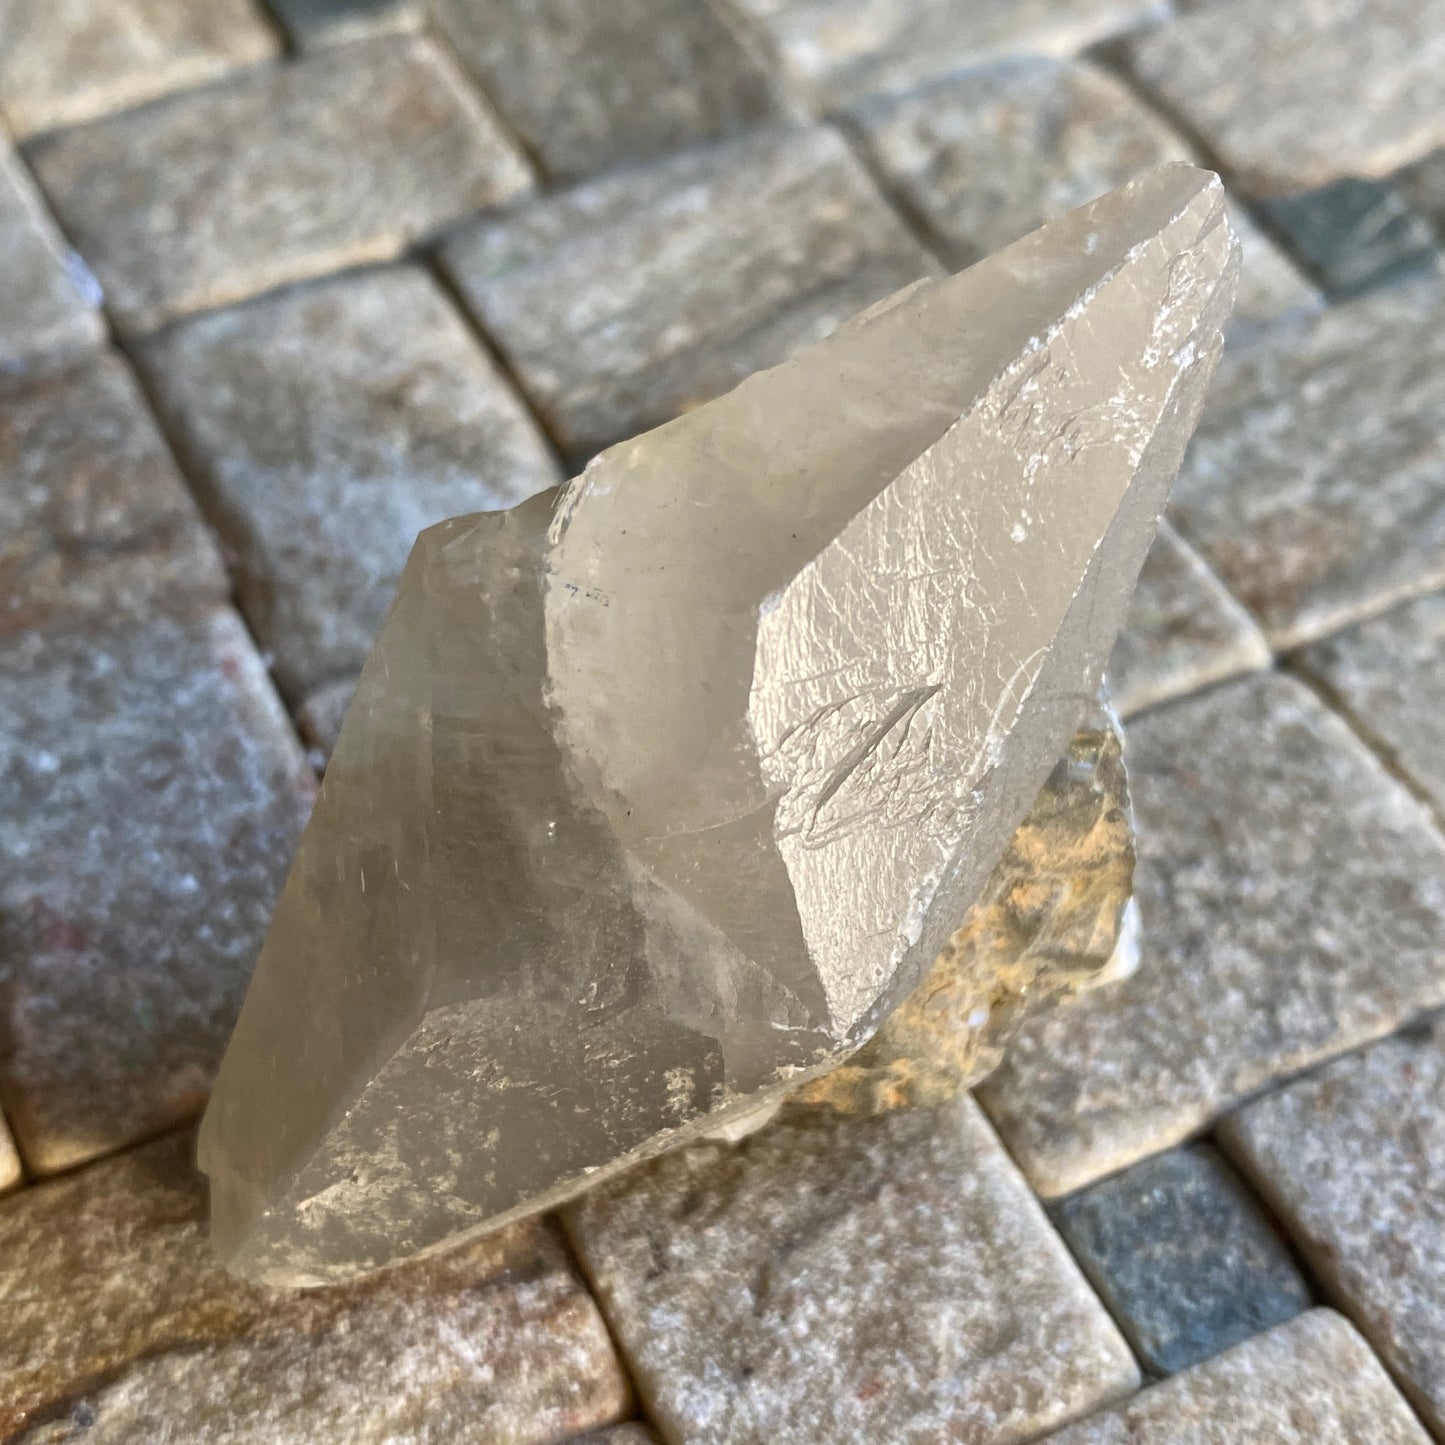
(10, 1170)
(848, 1280)
(153, 794)
(1356, 234)
(1309, 1381)
(70, 60)
(93, 513)
(1295, 96)
(1183, 631)
(1353, 1157)
(283, 173)
(1389, 674)
(632, 298)
(117, 1324)
(1293, 896)
(621, 1435)
(769, 688)
(48, 303)
(1048, 924)
(987, 156)
(1316, 483)
(842, 50)
(325, 427)
(588, 85)
(1183, 1257)
(334, 22)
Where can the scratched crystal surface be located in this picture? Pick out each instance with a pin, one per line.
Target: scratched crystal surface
(658, 795)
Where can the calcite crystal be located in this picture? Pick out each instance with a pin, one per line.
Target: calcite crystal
(658, 796)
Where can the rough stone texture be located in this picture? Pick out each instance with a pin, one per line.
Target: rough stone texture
(848, 1280)
(983, 158)
(72, 60)
(1293, 897)
(1353, 1157)
(1294, 96)
(283, 173)
(621, 1435)
(1307, 1382)
(48, 302)
(629, 299)
(1389, 674)
(842, 50)
(1315, 485)
(334, 22)
(152, 796)
(1356, 235)
(768, 688)
(1183, 631)
(118, 1325)
(93, 513)
(324, 428)
(10, 1170)
(587, 85)
(1048, 924)
(321, 715)
(1183, 1257)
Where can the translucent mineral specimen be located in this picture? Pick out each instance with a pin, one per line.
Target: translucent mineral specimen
(660, 795)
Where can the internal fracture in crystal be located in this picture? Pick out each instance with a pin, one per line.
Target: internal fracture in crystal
(659, 795)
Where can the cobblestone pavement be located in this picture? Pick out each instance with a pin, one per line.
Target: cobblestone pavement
(282, 285)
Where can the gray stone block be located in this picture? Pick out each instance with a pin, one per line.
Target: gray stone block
(285, 172)
(1293, 900)
(325, 427)
(631, 298)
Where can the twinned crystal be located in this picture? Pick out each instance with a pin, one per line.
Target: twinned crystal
(659, 795)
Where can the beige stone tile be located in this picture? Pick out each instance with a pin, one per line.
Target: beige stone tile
(285, 172)
(1353, 1158)
(1295, 95)
(49, 300)
(1304, 1383)
(848, 1280)
(987, 156)
(152, 797)
(588, 85)
(1389, 674)
(72, 60)
(115, 1317)
(324, 428)
(1293, 900)
(841, 50)
(631, 298)
(1315, 485)
(1183, 631)
(94, 515)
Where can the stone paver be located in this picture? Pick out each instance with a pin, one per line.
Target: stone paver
(628, 299)
(841, 50)
(1299, 94)
(335, 22)
(850, 1281)
(93, 513)
(150, 794)
(73, 60)
(1353, 1157)
(1389, 674)
(986, 157)
(1183, 1257)
(1315, 485)
(587, 85)
(1356, 234)
(1183, 631)
(49, 300)
(283, 173)
(116, 1318)
(324, 428)
(1309, 1382)
(1293, 897)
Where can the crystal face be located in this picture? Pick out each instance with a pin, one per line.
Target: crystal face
(658, 795)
